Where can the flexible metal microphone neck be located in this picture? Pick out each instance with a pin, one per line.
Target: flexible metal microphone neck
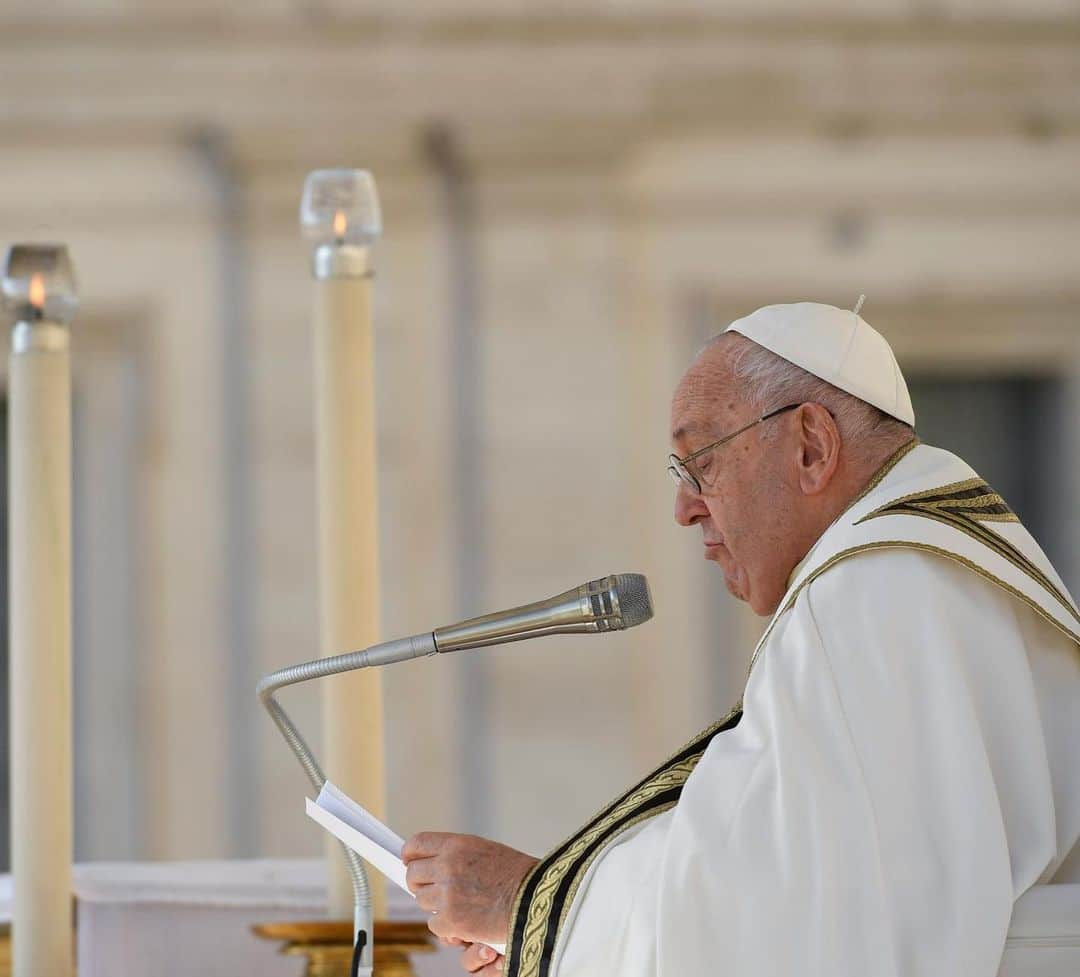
(612, 603)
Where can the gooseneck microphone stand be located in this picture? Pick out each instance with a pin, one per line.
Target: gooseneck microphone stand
(612, 603)
(386, 653)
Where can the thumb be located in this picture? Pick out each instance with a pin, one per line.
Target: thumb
(423, 845)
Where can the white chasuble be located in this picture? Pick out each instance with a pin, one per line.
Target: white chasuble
(899, 773)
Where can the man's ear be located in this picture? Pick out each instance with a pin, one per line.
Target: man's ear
(819, 448)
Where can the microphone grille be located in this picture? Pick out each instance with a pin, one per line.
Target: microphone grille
(635, 601)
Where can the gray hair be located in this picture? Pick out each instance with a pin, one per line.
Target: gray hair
(767, 381)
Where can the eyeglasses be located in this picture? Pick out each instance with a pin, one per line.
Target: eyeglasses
(682, 474)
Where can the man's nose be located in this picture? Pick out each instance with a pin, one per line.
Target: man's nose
(689, 506)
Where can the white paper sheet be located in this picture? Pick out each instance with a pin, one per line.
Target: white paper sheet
(364, 833)
(333, 799)
(371, 851)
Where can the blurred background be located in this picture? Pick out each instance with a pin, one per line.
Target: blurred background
(575, 197)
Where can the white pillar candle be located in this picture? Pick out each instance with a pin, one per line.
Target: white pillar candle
(341, 211)
(37, 282)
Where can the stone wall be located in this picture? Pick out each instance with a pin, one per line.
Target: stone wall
(636, 175)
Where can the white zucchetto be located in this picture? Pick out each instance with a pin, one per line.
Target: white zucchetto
(835, 345)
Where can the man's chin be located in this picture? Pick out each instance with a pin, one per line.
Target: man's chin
(736, 587)
(740, 590)
(764, 608)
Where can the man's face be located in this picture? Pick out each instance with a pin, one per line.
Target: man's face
(744, 506)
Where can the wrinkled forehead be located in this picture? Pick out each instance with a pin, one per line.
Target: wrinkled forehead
(706, 400)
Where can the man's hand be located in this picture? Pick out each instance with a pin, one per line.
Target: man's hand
(467, 884)
(480, 959)
(477, 958)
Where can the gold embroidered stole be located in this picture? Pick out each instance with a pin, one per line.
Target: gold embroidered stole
(548, 891)
(965, 506)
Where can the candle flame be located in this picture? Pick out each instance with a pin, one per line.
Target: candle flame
(340, 225)
(37, 291)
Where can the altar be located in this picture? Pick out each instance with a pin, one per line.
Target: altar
(177, 919)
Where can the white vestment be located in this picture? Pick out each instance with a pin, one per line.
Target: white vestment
(903, 769)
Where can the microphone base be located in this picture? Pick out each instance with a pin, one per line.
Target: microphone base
(326, 946)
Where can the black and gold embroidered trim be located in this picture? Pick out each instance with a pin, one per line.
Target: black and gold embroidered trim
(547, 893)
(905, 544)
(969, 499)
(965, 506)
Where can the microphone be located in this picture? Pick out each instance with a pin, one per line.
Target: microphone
(612, 603)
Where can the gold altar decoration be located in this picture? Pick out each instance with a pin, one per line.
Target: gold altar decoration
(5, 949)
(327, 945)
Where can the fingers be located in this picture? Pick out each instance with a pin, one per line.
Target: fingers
(447, 932)
(438, 926)
(424, 845)
(420, 871)
(477, 956)
(430, 898)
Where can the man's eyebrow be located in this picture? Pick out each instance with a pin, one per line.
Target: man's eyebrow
(684, 429)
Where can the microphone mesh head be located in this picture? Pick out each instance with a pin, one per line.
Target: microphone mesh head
(635, 601)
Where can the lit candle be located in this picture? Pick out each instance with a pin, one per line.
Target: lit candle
(38, 288)
(340, 214)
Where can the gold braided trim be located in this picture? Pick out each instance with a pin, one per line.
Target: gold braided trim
(927, 548)
(1005, 550)
(940, 505)
(579, 874)
(542, 901)
(987, 500)
(996, 517)
(571, 860)
(955, 495)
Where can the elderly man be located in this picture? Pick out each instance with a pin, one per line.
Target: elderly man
(901, 767)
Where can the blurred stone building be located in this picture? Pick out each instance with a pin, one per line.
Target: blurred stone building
(575, 196)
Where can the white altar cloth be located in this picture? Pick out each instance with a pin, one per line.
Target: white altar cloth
(182, 919)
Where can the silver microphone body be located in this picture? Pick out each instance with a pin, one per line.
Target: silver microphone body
(612, 603)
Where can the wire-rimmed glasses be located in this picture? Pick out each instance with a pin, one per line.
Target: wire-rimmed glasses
(682, 474)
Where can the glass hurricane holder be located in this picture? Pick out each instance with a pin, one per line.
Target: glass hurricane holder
(341, 218)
